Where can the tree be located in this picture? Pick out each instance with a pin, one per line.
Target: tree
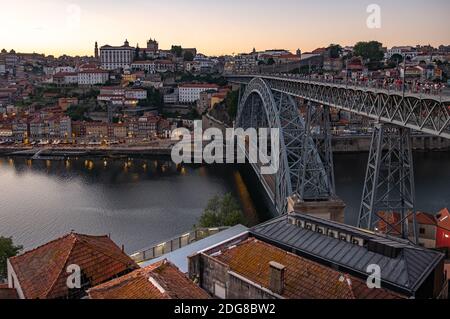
(137, 53)
(77, 112)
(334, 51)
(396, 59)
(271, 61)
(177, 50)
(372, 51)
(7, 250)
(231, 102)
(222, 212)
(188, 56)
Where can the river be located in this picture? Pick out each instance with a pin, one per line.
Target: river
(140, 202)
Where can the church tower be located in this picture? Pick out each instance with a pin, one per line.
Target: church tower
(96, 50)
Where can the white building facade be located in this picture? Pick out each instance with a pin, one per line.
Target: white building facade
(113, 58)
(93, 77)
(190, 93)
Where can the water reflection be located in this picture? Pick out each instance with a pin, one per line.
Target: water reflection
(138, 201)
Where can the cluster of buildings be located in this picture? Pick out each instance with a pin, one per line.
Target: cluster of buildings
(51, 125)
(26, 127)
(121, 96)
(84, 75)
(421, 63)
(248, 63)
(153, 60)
(133, 129)
(295, 256)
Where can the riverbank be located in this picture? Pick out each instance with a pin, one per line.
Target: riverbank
(85, 151)
(341, 144)
(352, 144)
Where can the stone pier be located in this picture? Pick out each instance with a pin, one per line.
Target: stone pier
(332, 209)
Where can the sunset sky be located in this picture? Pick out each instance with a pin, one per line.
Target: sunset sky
(217, 27)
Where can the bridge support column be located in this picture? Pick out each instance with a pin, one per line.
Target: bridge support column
(316, 180)
(389, 192)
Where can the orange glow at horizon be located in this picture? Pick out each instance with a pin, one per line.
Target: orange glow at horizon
(72, 27)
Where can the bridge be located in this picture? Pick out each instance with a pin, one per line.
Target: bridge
(305, 179)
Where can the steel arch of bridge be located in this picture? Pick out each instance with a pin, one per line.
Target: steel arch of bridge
(423, 114)
(301, 169)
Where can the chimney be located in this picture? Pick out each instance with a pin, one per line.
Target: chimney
(277, 277)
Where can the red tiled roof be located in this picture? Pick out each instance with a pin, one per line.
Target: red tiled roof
(91, 71)
(444, 219)
(425, 219)
(162, 280)
(199, 85)
(42, 272)
(304, 279)
(7, 293)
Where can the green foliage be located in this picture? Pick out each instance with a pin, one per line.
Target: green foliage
(231, 102)
(222, 212)
(396, 59)
(271, 61)
(177, 50)
(208, 78)
(194, 115)
(334, 51)
(77, 112)
(372, 51)
(188, 56)
(7, 250)
(136, 53)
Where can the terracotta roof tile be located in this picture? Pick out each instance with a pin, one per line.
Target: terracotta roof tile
(444, 219)
(304, 279)
(8, 293)
(42, 271)
(162, 280)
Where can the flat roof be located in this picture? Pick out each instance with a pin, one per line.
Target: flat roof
(403, 265)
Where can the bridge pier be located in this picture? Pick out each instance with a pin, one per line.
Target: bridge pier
(388, 201)
(332, 209)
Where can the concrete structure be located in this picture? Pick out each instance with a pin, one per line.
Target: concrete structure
(332, 209)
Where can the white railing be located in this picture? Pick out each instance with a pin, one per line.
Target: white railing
(173, 244)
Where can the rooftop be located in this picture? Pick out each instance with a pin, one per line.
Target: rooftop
(404, 266)
(199, 85)
(7, 293)
(304, 279)
(42, 272)
(161, 280)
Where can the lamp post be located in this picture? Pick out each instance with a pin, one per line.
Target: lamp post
(404, 74)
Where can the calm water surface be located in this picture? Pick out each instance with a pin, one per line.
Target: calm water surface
(140, 202)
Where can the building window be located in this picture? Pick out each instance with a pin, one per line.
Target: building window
(422, 231)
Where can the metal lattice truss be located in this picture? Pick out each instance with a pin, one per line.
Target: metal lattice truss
(301, 170)
(388, 196)
(428, 115)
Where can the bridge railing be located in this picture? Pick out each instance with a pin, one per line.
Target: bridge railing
(416, 88)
